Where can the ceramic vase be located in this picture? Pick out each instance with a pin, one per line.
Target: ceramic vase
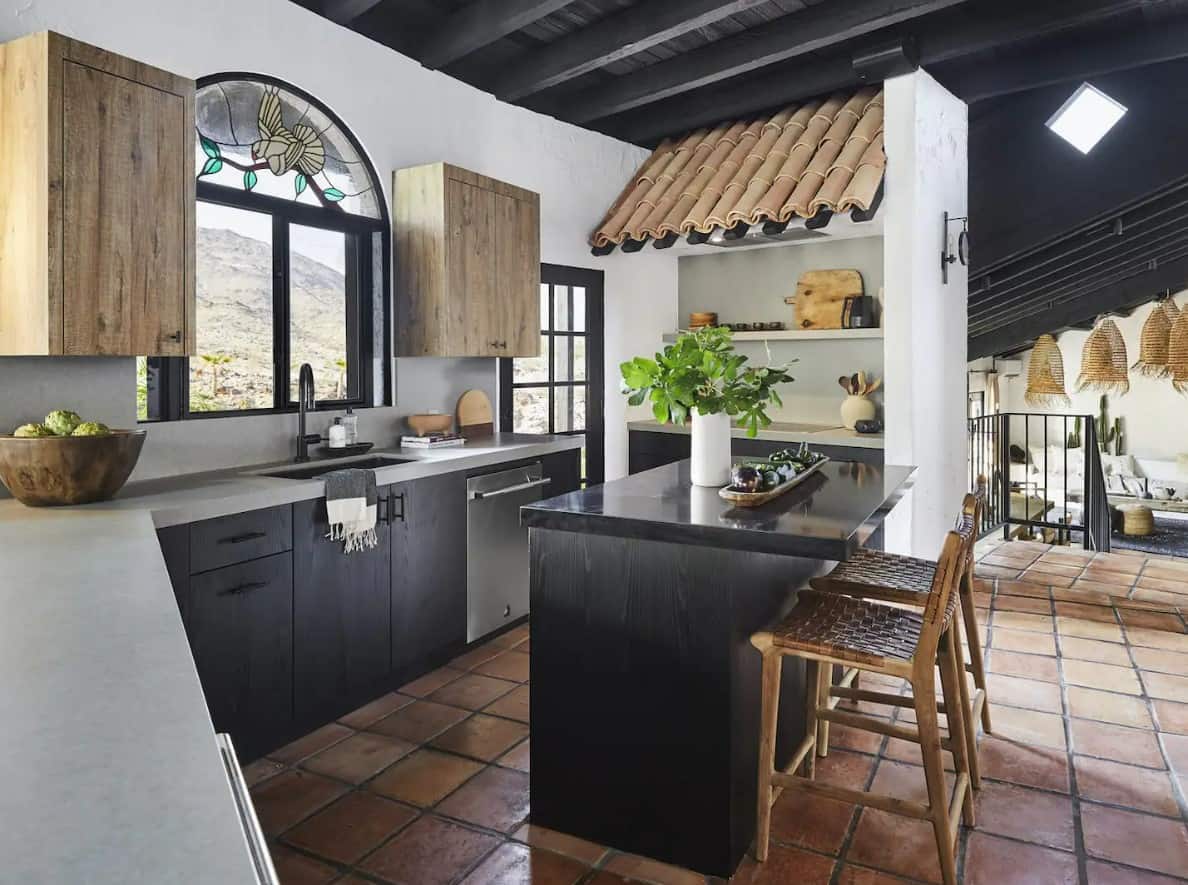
(856, 408)
(710, 456)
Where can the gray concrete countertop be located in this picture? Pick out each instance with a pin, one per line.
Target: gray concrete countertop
(783, 431)
(110, 768)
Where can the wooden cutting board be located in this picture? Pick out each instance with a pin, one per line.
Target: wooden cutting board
(821, 297)
(474, 414)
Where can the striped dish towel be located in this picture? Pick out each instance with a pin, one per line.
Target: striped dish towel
(350, 507)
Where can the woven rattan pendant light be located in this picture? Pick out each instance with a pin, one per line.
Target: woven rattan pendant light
(1103, 360)
(1177, 352)
(1045, 374)
(1153, 344)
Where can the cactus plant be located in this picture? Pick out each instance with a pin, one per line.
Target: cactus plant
(1074, 438)
(1109, 435)
(1116, 435)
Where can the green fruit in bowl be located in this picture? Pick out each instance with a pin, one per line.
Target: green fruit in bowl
(91, 428)
(32, 431)
(62, 421)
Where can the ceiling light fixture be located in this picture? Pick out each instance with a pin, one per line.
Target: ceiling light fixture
(1087, 116)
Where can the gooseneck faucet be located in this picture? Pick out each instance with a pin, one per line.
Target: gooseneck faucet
(305, 402)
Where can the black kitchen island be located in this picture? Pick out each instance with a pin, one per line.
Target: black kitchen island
(645, 687)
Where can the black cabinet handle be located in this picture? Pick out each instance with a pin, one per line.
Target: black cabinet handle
(176, 336)
(391, 502)
(383, 511)
(246, 536)
(243, 588)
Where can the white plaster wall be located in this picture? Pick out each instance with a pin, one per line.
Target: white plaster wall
(404, 115)
(924, 320)
(1155, 417)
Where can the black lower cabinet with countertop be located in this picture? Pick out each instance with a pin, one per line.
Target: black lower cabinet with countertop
(289, 633)
(655, 448)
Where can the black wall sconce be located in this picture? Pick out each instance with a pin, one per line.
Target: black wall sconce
(962, 254)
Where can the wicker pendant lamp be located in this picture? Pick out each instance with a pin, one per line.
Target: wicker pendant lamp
(1045, 374)
(1103, 360)
(1153, 344)
(1177, 353)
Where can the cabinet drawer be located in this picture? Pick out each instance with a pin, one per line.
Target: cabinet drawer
(227, 540)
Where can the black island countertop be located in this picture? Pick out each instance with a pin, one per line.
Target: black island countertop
(826, 517)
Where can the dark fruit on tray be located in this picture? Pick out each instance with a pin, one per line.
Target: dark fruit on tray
(745, 478)
(779, 468)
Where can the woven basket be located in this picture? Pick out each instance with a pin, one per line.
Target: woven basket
(1177, 353)
(1153, 343)
(1045, 374)
(1103, 360)
(1137, 520)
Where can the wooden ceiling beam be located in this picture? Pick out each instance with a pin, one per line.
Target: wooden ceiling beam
(615, 37)
(941, 40)
(343, 12)
(792, 36)
(479, 24)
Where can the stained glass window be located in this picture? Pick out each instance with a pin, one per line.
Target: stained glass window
(265, 137)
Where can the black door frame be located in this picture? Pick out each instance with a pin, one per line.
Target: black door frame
(593, 281)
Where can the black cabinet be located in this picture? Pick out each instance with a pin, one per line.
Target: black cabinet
(565, 471)
(240, 625)
(175, 547)
(428, 543)
(341, 618)
(655, 448)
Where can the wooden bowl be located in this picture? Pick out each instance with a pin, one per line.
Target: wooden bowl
(424, 425)
(55, 470)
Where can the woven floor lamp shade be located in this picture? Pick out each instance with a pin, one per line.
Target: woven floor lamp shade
(1153, 344)
(1045, 374)
(1103, 360)
(1177, 353)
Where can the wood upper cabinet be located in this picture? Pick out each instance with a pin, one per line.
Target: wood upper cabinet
(467, 264)
(97, 210)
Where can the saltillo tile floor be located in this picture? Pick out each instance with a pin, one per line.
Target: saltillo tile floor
(1085, 775)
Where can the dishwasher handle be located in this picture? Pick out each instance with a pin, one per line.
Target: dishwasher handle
(248, 822)
(518, 487)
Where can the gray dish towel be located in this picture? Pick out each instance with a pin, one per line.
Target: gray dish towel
(350, 507)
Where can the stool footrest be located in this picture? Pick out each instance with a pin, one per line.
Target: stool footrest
(855, 797)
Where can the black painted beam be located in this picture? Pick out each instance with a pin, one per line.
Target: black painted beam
(940, 39)
(792, 36)
(615, 37)
(479, 24)
(1079, 60)
(344, 12)
(1127, 293)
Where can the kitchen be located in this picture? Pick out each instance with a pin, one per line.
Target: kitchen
(266, 633)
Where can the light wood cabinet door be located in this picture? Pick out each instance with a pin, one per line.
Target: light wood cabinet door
(473, 323)
(517, 276)
(125, 164)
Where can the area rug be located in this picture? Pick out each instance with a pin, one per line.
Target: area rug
(1170, 538)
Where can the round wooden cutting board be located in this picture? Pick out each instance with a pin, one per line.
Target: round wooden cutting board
(475, 417)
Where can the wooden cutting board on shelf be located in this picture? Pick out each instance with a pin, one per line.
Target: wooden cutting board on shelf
(474, 414)
(821, 297)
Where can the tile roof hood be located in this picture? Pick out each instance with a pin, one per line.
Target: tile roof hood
(822, 155)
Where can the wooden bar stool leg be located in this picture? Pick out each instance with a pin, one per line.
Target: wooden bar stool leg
(956, 713)
(971, 725)
(977, 662)
(772, 664)
(824, 685)
(924, 694)
(812, 700)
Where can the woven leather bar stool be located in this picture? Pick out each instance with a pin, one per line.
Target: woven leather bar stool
(906, 580)
(828, 629)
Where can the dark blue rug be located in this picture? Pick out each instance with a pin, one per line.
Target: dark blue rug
(1169, 538)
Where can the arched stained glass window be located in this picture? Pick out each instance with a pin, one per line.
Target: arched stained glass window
(269, 138)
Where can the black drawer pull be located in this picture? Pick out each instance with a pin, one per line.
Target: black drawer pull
(392, 502)
(246, 536)
(243, 588)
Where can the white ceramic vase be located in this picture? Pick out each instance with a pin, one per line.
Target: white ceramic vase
(856, 408)
(710, 457)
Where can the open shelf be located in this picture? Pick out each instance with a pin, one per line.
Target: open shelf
(800, 335)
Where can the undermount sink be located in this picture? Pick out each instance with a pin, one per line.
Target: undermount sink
(315, 470)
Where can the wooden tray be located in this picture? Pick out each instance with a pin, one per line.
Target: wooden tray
(758, 499)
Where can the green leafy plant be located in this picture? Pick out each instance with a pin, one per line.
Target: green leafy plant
(702, 370)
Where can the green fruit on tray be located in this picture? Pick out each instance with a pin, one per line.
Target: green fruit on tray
(91, 428)
(62, 421)
(32, 431)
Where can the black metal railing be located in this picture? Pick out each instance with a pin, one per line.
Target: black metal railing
(1025, 458)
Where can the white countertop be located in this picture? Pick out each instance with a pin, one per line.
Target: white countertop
(783, 431)
(108, 759)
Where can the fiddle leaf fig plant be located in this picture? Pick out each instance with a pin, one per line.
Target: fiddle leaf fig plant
(701, 370)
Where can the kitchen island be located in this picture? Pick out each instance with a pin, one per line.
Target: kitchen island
(645, 688)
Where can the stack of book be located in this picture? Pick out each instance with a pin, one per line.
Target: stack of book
(433, 441)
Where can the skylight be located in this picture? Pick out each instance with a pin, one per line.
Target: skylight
(1087, 116)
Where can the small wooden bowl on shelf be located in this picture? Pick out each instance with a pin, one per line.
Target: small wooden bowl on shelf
(428, 424)
(52, 471)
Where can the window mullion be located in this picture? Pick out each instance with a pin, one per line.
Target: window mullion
(280, 311)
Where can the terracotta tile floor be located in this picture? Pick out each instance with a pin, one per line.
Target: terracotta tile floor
(1084, 775)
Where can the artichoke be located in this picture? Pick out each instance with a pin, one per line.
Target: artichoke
(91, 428)
(32, 430)
(62, 421)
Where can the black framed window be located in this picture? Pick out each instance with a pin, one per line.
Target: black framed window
(561, 390)
(292, 261)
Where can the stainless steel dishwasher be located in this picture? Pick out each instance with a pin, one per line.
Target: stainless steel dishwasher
(497, 547)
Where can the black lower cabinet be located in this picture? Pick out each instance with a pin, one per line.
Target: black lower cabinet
(655, 448)
(341, 618)
(428, 543)
(240, 625)
(565, 471)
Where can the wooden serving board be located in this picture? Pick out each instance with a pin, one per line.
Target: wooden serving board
(474, 414)
(821, 297)
(758, 499)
